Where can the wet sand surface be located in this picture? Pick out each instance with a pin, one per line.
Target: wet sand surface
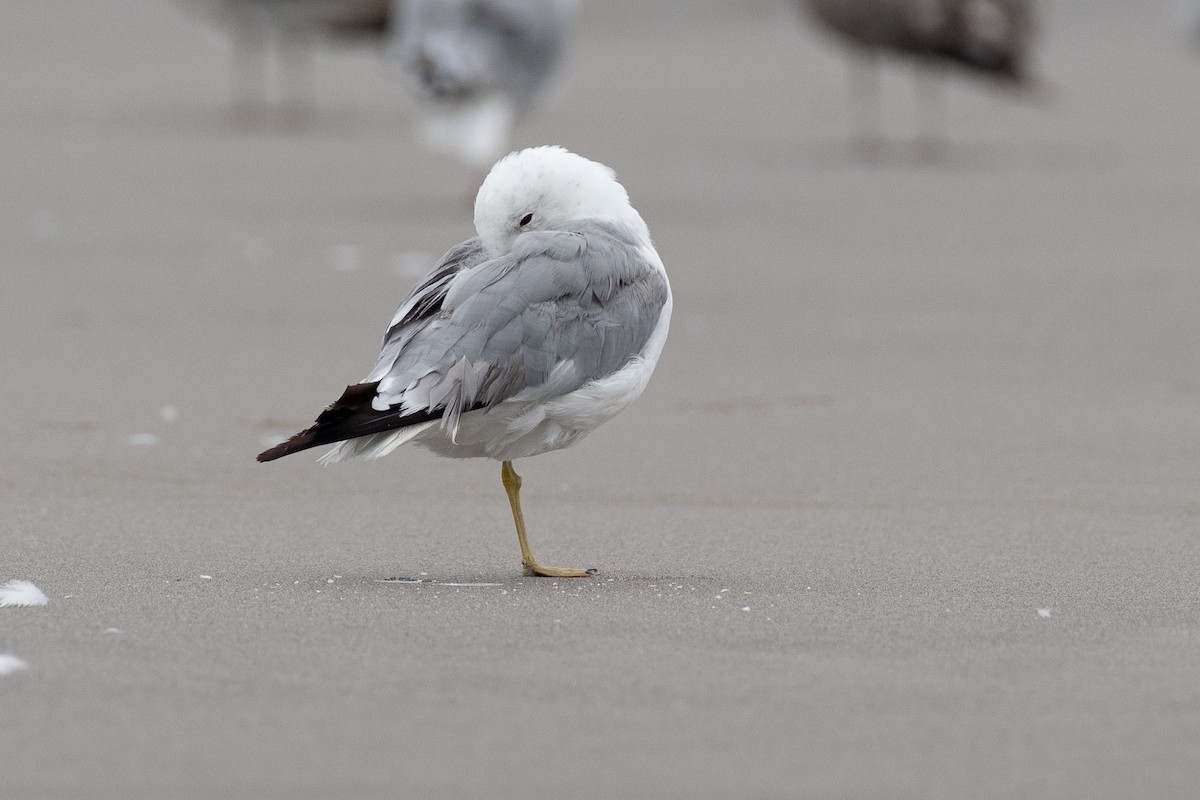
(911, 508)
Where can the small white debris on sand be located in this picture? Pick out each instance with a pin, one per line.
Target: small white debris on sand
(745, 608)
(22, 593)
(168, 413)
(344, 257)
(1043, 612)
(10, 664)
(206, 577)
(112, 630)
(142, 439)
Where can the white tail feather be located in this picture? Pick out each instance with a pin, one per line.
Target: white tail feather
(376, 445)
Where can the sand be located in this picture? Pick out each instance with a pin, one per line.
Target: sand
(911, 508)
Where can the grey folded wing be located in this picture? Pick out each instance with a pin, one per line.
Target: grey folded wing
(563, 309)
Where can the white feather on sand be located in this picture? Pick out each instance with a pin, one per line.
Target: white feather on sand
(21, 593)
(10, 664)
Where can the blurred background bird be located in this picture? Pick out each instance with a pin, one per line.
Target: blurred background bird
(476, 67)
(986, 37)
(291, 28)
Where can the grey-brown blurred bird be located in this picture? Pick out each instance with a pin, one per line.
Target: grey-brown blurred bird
(986, 37)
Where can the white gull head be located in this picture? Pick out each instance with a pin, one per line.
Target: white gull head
(545, 188)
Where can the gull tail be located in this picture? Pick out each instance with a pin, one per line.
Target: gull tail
(349, 417)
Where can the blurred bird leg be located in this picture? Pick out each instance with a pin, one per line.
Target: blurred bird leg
(512, 486)
(249, 80)
(930, 143)
(865, 110)
(295, 77)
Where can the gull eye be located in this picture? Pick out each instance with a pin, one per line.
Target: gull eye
(525, 220)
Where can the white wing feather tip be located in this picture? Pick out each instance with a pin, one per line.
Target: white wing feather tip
(21, 593)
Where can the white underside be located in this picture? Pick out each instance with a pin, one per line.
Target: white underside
(517, 429)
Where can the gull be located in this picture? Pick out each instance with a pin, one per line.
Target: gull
(476, 65)
(987, 37)
(521, 340)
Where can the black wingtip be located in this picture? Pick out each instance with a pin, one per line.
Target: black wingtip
(356, 398)
(350, 416)
(301, 441)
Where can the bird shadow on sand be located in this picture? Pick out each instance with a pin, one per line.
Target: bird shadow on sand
(515, 579)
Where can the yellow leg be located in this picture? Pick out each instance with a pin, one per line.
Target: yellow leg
(512, 485)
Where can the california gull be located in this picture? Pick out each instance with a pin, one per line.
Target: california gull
(519, 341)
